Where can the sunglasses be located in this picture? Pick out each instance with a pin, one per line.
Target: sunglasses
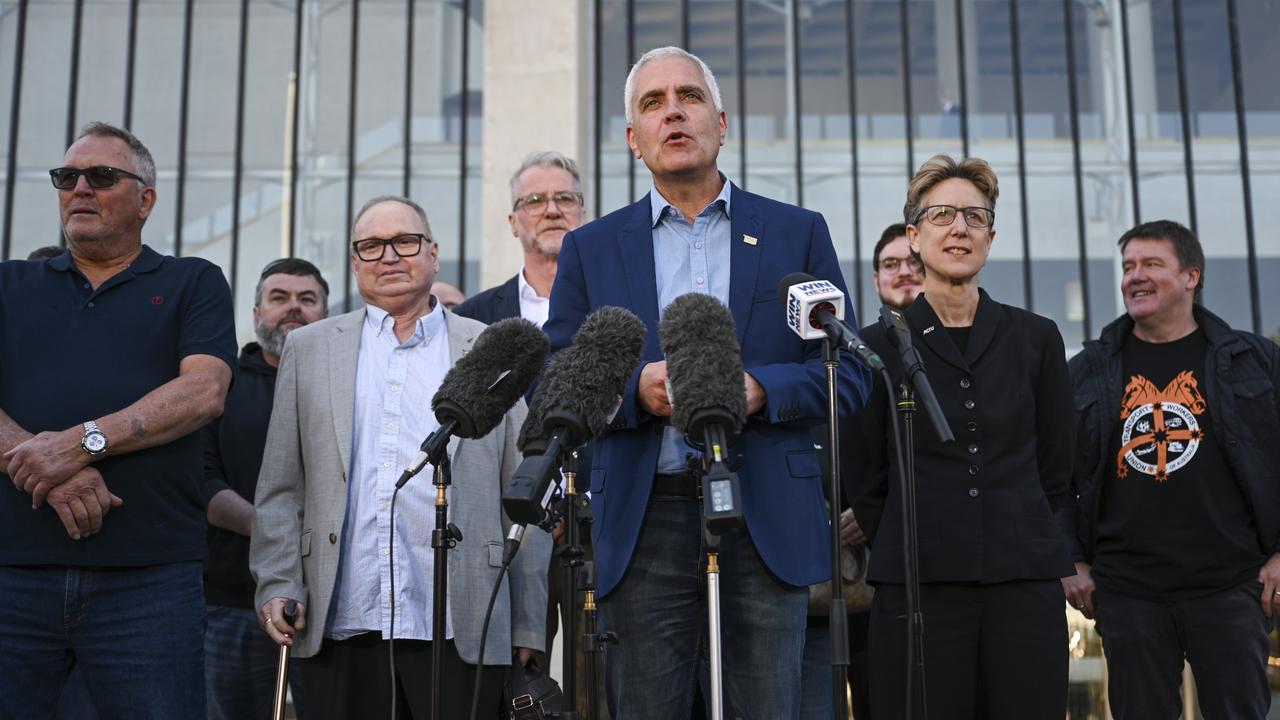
(98, 177)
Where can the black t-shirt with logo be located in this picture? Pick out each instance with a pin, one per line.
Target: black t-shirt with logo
(1173, 523)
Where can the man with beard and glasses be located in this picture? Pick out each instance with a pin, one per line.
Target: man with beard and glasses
(546, 203)
(239, 659)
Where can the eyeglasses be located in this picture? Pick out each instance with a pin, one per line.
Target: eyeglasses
(891, 265)
(99, 177)
(944, 215)
(536, 203)
(371, 249)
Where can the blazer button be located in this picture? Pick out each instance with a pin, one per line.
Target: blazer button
(973, 469)
(973, 426)
(973, 492)
(333, 539)
(964, 383)
(969, 404)
(973, 448)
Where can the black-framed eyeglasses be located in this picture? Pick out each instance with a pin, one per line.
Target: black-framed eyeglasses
(944, 215)
(99, 177)
(891, 265)
(536, 203)
(371, 249)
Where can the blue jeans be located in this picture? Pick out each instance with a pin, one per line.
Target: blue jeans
(1224, 636)
(240, 666)
(815, 695)
(659, 612)
(137, 635)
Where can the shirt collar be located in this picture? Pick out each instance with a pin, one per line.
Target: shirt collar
(146, 261)
(526, 290)
(658, 205)
(427, 327)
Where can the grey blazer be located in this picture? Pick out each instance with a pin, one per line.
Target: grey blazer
(301, 499)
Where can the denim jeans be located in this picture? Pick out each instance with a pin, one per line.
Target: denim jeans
(137, 635)
(659, 612)
(240, 667)
(1224, 636)
(816, 697)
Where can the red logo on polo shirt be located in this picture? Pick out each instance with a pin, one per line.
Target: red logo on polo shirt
(157, 299)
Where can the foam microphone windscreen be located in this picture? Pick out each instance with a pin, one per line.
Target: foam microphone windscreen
(587, 379)
(704, 362)
(491, 377)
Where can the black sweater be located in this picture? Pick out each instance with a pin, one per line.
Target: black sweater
(233, 446)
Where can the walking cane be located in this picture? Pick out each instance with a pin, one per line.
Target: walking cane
(282, 665)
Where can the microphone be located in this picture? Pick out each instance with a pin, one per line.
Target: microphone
(479, 389)
(708, 397)
(815, 310)
(577, 397)
(516, 534)
(895, 326)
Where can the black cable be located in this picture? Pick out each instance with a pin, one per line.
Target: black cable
(484, 635)
(391, 568)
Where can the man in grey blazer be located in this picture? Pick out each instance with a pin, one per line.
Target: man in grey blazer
(352, 404)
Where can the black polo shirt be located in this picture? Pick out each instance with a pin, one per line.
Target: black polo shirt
(68, 354)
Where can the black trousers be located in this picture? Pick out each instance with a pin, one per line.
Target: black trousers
(1223, 635)
(996, 652)
(352, 679)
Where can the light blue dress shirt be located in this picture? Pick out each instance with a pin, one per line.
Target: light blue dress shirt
(394, 385)
(688, 257)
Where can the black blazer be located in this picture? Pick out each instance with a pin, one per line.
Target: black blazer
(494, 304)
(984, 503)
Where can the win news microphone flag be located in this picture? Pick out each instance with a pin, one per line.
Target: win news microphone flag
(815, 311)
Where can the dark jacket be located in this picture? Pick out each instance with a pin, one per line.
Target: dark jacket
(1243, 402)
(985, 502)
(233, 446)
(494, 304)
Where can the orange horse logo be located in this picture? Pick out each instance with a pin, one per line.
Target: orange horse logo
(1159, 421)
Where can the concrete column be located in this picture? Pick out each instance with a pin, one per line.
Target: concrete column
(535, 98)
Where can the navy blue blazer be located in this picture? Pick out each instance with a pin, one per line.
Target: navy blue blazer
(610, 262)
(494, 304)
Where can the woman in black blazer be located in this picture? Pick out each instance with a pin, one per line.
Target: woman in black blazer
(990, 553)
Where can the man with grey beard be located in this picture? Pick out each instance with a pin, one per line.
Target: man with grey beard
(239, 660)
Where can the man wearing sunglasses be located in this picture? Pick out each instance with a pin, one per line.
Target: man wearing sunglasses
(114, 355)
(352, 404)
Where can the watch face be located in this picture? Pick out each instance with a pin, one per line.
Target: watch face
(95, 442)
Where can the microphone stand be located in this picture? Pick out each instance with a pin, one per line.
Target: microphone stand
(838, 621)
(721, 515)
(911, 555)
(443, 538)
(915, 381)
(571, 559)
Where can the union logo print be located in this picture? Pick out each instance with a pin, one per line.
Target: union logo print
(1161, 433)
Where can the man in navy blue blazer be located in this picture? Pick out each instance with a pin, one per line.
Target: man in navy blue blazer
(696, 232)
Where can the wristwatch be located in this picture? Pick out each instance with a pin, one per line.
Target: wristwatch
(94, 441)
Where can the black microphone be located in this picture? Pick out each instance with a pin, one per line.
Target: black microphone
(577, 397)
(895, 326)
(815, 309)
(708, 395)
(479, 389)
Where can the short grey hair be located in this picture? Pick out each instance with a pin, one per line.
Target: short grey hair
(395, 199)
(545, 158)
(143, 164)
(629, 91)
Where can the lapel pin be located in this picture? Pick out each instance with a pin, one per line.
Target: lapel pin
(749, 240)
(927, 330)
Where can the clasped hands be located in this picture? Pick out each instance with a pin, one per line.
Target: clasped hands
(52, 467)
